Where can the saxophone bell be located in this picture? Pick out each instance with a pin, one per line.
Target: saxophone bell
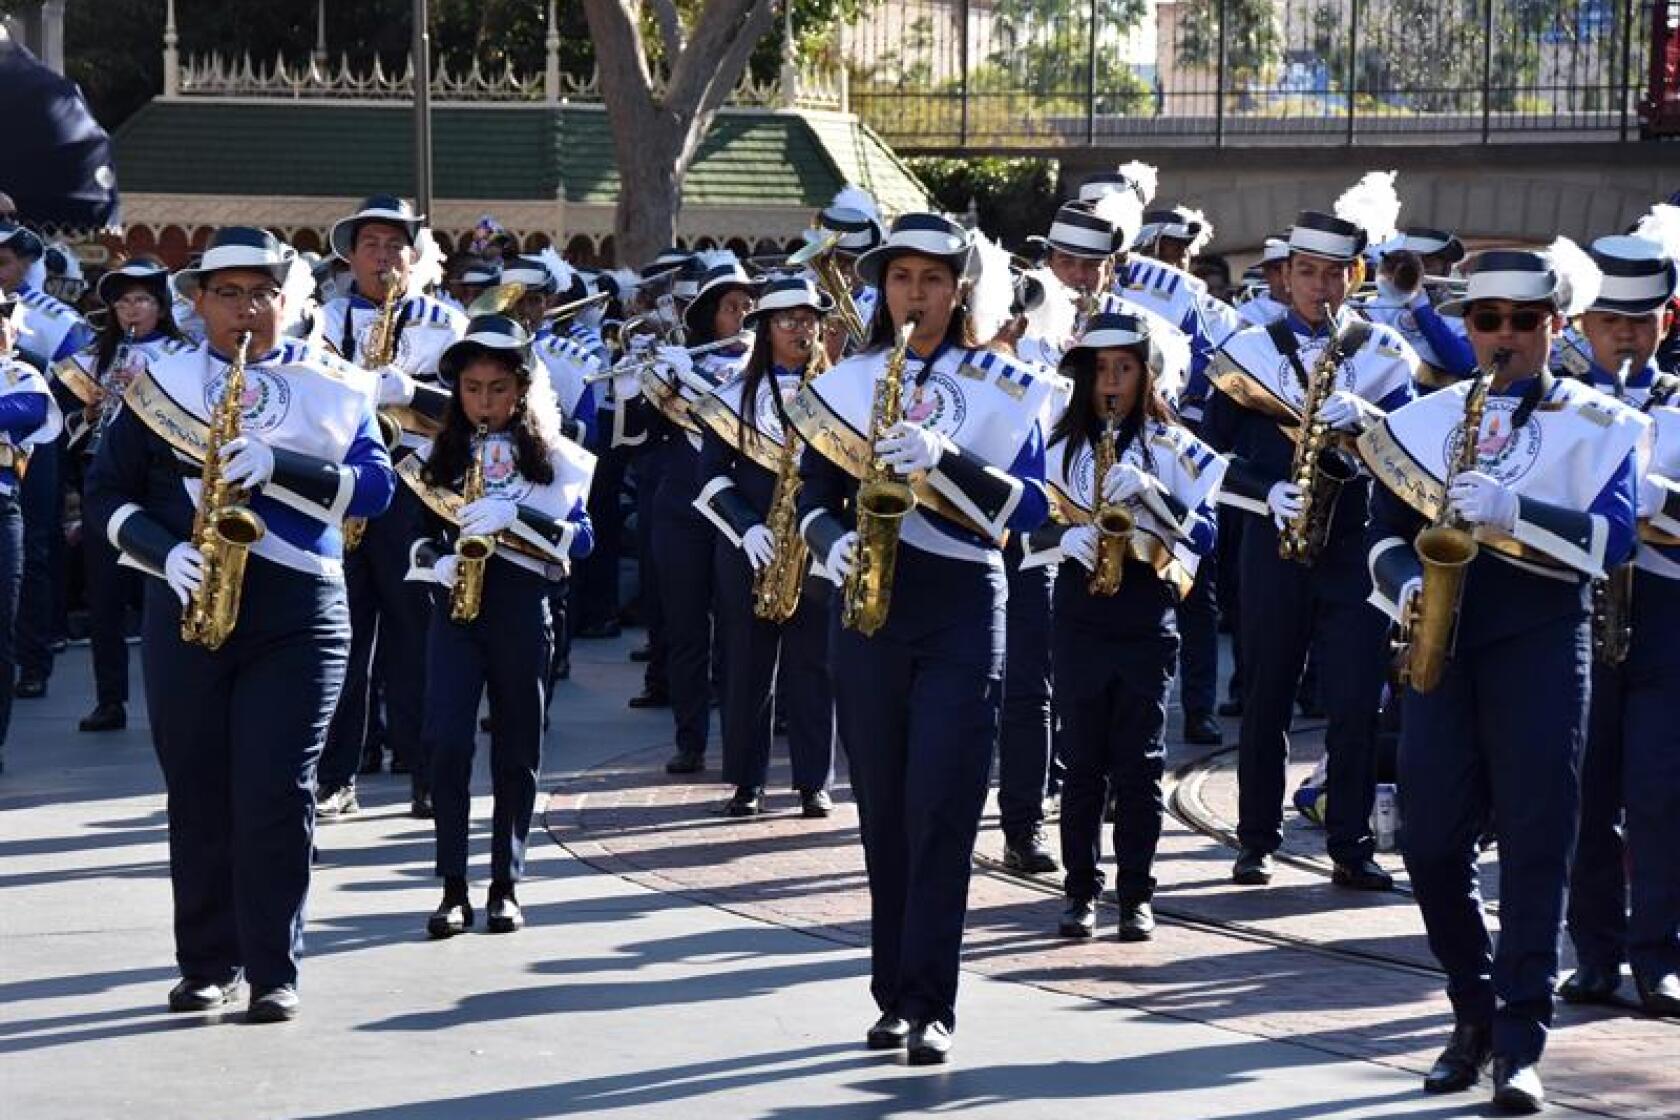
(466, 598)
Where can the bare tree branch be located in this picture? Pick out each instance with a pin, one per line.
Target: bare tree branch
(714, 33)
(619, 52)
(670, 28)
(734, 62)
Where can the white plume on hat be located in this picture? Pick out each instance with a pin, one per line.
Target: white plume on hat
(1579, 278)
(1205, 236)
(541, 405)
(1124, 211)
(716, 258)
(850, 197)
(1052, 319)
(1144, 177)
(1662, 227)
(993, 290)
(297, 292)
(555, 265)
(628, 281)
(426, 273)
(1372, 205)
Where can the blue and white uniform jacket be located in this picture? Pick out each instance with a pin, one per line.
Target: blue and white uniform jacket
(80, 385)
(1658, 397)
(28, 416)
(1439, 341)
(568, 363)
(1183, 301)
(425, 329)
(52, 329)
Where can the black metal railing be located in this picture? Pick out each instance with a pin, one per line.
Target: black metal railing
(943, 75)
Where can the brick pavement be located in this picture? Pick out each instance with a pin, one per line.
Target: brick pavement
(630, 819)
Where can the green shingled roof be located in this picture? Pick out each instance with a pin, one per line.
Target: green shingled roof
(490, 152)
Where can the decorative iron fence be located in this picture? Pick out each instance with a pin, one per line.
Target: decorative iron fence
(940, 75)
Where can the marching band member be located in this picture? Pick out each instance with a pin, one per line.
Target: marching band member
(239, 728)
(52, 330)
(1549, 488)
(1115, 649)
(1174, 236)
(918, 698)
(595, 591)
(1403, 300)
(856, 219)
(499, 475)
(1273, 301)
(1630, 776)
(28, 418)
(388, 616)
(742, 461)
(138, 331)
(1316, 595)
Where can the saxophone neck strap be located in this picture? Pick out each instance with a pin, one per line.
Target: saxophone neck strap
(1537, 391)
(1349, 340)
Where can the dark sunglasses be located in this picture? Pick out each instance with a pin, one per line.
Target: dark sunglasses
(1523, 320)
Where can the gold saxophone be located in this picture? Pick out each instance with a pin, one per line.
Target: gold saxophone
(1115, 523)
(776, 586)
(1445, 549)
(1612, 596)
(380, 350)
(224, 529)
(467, 596)
(1321, 467)
(883, 501)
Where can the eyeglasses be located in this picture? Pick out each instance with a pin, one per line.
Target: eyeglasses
(794, 322)
(259, 298)
(1523, 320)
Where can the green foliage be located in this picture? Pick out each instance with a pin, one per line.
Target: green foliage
(1253, 38)
(1015, 198)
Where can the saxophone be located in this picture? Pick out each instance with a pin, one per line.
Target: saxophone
(1612, 596)
(1321, 467)
(467, 596)
(883, 501)
(1115, 523)
(776, 586)
(380, 350)
(224, 529)
(1445, 549)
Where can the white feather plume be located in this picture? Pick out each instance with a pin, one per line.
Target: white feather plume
(1052, 320)
(1124, 211)
(715, 258)
(297, 292)
(1580, 277)
(1144, 176)
(994, 290)
(562, 273)
(1662, 227)
(627, 280)
(1372, 205)
(541, 405)
(850, 197)
(1204, 237)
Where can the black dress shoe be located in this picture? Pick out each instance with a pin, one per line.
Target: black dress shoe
(599, 630)
(1591, 983)
(1230, 709)
(202, 995)
(1661, 995)
(105, 717)
(888, 1033)
(1366, 875)
(420, 806)
(746, 801)
(685, 762)
(273, 1005)
(1253, 868)
(503, 914)
(1137, 921)
(29, 688)
(651, 698)
(1202, 730)
(1516, 1087)
(454, 915)
(1460, 1064)
(641, 655)
(929, 1044)
(1079, 918)
(1030, 853)
(815, 803)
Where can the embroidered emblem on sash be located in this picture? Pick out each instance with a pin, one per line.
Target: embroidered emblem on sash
(1501, 451)
(265, 405)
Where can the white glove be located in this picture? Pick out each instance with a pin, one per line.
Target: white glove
(488, 516)
(447, 569)
(1483, 500)
(760, 546)
(1345, 411)
(1080, 543)
(626, 384)
(183, 569)
(908, 447)
(842, 556)
(1284, 500)
(678, 360)
(395, 387)
(1652, 495)
(247, 462)
(1124, 481)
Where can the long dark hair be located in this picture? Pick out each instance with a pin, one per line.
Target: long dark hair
(1082, 423)
(453, 447)
(703, 313)
(110, 338)
(759, 364)
(958, 332)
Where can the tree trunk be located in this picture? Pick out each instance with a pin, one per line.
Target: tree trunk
(650, 196)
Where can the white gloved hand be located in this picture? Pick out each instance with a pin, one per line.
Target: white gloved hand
(675, 358)
(1345, 411)
(183, 570)
(908, 447)
(1125, 481)
(1651, 496)
(1482, 499)
(842, 556)
(1284, 500)
(395, 387)
(447, 569)
(759, 544)
(247, 462)
(488, 516)
(1080, 543)
(627, 382)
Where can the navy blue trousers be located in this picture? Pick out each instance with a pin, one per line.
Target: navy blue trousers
(683, 544)
(766, 664)
(1286, 607)
(1198, 652)
(918, 706)
(1023, 763)
(41, 601)
(388, 621)
(238, 732)
(1630, 799)
(647, 469)
(11, 580)
(108, 590)
(595, 598)
(1499, 737)
(504, 652)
